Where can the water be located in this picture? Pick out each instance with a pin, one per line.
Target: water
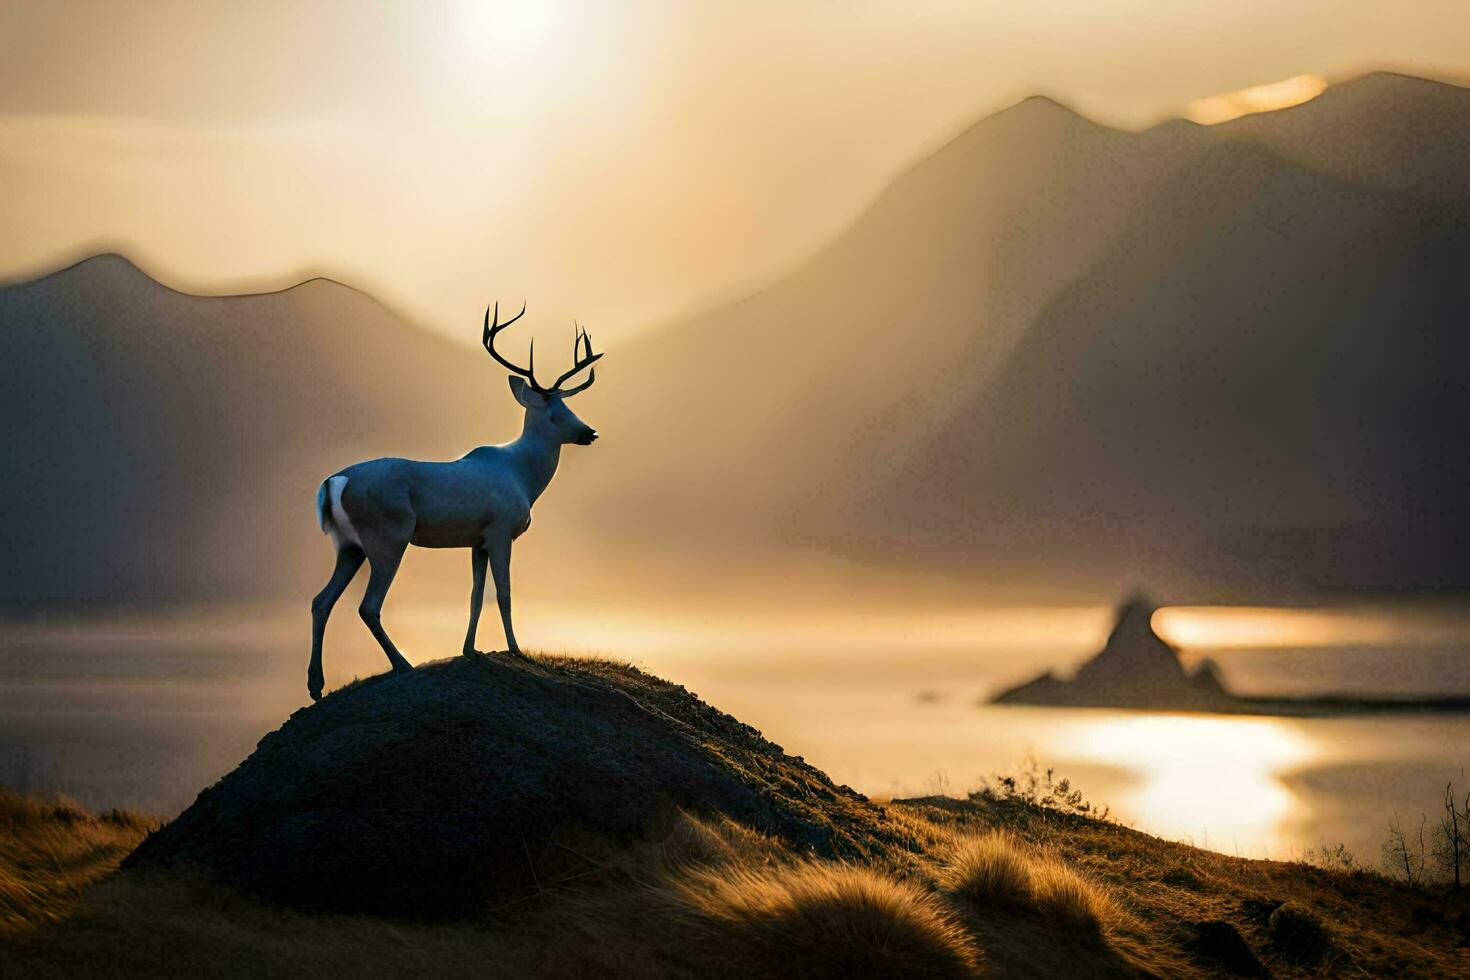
(145, 710)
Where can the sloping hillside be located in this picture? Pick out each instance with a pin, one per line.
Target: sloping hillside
(1254, 388)
(1395, 132)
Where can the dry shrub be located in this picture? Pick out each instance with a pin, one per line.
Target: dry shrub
(999, 870)
(992, 870)
(1298, 933)
(1064, 896)
(821, 919)
(51, 851)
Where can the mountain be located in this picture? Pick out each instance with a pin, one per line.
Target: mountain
(169, 446)
(1391, 131)
(1060, 356)
(1050, 360)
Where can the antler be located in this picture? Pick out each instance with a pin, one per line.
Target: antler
(494, 328)
(582, 340)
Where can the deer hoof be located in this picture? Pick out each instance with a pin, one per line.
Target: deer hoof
(469, 652)
(316, 695)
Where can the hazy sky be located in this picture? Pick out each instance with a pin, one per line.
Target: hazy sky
(617, 161)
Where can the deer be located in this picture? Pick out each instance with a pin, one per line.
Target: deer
(373, 510)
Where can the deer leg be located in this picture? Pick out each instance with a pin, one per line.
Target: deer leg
(349, 560)
(478, 558)
(499, 554)
(384, 567)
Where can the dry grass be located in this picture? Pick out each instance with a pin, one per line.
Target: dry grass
(999, 870)
(1063, 895)
(980, 887)
(51, 851)
(1170, 892)
(819, 919)
(991, 870)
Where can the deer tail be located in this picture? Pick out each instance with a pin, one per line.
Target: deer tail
(321, 506)
(334, 520)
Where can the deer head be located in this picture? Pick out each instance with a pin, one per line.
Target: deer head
(546, 411)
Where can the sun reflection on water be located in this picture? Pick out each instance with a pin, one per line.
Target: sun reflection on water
(1216, 781)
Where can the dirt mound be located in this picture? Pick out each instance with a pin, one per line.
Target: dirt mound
(430, 791)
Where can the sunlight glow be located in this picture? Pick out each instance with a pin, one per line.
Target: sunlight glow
(875, 635)
(1217, 781)
(509, 28)
(1235, 627)
(1259, 98)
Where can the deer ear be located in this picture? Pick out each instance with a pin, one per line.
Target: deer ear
(527, 396)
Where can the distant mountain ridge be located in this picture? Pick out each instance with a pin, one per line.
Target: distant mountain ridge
(1060, 356)
(1051, 359)
(168, 446)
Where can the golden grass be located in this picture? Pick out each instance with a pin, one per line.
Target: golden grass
(1063, 895)
(998, 869)
(1378, 927)
(991, 869)
(51, 851)
(708, 897)
(823, 919)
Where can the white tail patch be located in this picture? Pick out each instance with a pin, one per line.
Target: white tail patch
(334, 519)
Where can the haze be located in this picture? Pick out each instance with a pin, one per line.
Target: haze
(620, 163)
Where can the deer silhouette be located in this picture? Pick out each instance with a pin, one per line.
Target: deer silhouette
(374, 510)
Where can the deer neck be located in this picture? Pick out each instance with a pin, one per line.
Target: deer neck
(536, 456)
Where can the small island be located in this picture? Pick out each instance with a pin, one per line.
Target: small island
(1139, 670)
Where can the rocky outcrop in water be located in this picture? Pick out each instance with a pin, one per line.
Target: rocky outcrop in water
(1136, 668)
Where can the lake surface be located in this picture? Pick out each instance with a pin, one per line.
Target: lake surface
(145, 710)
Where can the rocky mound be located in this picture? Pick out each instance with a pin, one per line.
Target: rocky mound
(430, 791)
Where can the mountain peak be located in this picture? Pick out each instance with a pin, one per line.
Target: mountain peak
(116, 266)
(1040, 107)
(104, 264)
(1385, 80)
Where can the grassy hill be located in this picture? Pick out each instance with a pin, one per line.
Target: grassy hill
(691, 846)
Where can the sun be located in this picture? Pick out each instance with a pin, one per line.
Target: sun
(517, 29)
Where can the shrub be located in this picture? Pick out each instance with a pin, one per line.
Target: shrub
(1039, 789)
(1297, 932)
(1332, 857)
